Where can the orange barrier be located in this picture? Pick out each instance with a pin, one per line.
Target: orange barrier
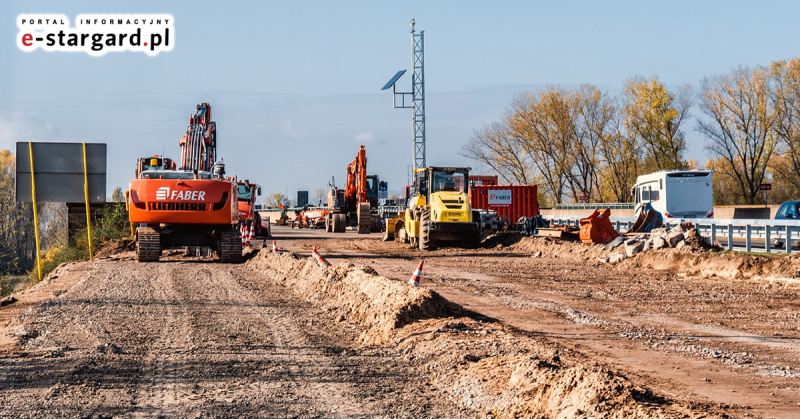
(597, 228)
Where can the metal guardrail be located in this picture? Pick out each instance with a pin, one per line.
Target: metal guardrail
(727, 231)
(598, 205)
(383, 210)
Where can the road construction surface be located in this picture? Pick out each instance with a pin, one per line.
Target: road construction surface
(732, 342)
(189, 337)
(117, 338)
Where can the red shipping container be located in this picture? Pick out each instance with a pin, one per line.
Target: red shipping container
(510, 201)
(478, 180)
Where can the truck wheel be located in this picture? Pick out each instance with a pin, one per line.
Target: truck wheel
(148, 245)
(328, 227)
(425, 230)
(338, 223)
(257, 225)
(375, 224)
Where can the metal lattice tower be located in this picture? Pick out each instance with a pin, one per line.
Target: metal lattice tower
(417, 95)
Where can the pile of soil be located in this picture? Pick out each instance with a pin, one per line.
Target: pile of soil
(113, 247)
(356, 294)
(476, 362)
(696, 258)
(557, 248)
(501, 239)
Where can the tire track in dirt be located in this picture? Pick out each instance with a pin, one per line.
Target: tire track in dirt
(177, 339)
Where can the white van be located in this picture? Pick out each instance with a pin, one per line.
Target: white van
(676, 193)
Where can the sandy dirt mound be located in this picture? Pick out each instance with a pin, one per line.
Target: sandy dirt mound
(482, 364)
(696, 258)
(378, 304)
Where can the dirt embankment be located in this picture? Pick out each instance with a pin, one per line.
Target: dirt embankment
(686, 261)
(470, 359)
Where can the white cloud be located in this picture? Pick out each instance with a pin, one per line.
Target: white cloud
(365, 137)
(291, 131)
(22, 126)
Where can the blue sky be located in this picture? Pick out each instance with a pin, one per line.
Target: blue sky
(295, 86)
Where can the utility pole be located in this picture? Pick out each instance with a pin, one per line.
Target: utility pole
(416, 96)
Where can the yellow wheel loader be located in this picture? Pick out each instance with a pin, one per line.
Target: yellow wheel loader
(438, 212)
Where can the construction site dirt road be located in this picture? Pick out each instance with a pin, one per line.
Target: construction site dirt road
(117, 338)
(717, 329)
(523, 328)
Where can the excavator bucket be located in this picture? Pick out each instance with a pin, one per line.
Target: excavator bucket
(597, 228)
(648, 219)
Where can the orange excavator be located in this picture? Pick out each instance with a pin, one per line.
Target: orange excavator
(191, 205)
(248, 192)
(357, 203)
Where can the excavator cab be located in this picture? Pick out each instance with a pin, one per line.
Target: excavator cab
(372, 190)
(151, 164)
(438, 212)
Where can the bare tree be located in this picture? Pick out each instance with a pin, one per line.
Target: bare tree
(593, 115)
(17, 243)
(741, 130)
(543, 123)
(785, 165)
(320, 195)
(493, 147)
(619, 166)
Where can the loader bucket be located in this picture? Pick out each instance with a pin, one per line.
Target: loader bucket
(597, 228)
(648, 219)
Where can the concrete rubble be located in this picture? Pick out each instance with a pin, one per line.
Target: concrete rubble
(678, 237)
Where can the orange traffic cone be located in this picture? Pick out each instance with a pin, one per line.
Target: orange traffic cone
(417, 275)
(244, 237)
(274, 246)
(321, 260)
(252, 232)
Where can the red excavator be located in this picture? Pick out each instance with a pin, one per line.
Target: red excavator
(191, 205)
(357, 203)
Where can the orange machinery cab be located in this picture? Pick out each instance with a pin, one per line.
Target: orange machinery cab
(245, 211)
(246, 193)
(183, 201)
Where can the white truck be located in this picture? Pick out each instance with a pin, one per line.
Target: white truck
(676, 193)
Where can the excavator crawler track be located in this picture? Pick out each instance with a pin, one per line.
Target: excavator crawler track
(230, 247)
(148, 245)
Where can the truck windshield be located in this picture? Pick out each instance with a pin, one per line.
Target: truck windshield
(244, 191)
(451, 182)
